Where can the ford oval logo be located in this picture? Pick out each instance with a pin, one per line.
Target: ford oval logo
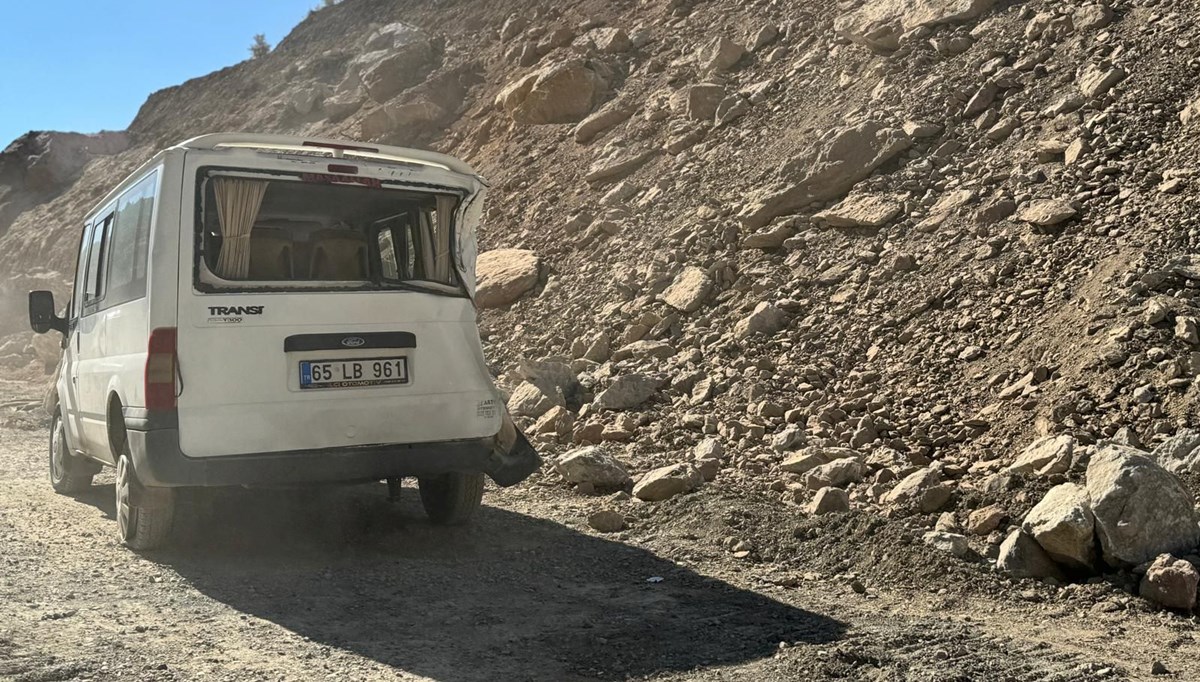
(353, 341)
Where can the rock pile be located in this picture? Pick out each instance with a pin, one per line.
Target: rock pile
(1130, 513)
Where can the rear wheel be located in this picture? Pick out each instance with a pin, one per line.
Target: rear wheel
(451, 499)
(68, 473)
(144, 515)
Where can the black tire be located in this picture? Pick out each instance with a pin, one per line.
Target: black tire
(451, 499)
(145, 525)
(68, 473)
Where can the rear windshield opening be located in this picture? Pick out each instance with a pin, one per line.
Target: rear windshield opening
(283, 233)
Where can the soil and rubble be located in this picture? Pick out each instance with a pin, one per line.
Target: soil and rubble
(866, 299)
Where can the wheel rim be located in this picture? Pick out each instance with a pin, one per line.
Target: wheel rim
(125, 511)
(57, 452)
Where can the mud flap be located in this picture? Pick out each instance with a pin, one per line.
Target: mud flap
(150, 498)
(513, 457)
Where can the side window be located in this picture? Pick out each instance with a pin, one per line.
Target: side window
(129, 243)
(396, 252)
(387, 256)
(93, 289)
(81, 267)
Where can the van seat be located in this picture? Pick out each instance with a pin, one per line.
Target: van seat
(270, 254)
(338, 255)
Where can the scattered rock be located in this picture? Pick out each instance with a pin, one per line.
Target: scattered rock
(838, 162)
(627, 391)
(504, 275)
(666, 482)
(593, 465)
(880, 25)
(771, 237)
(608, 117)
(986, 520)
(1022, 557)
(1171, 582)
(829, 500)
(923, 489)
(951, 543)
(606, 521)
(1047, 213)
(720, 55)
(1096, 80)
(862, 211)
(766, 319)
(701, 101)
(1045, 456)
(689, 290)
(529, 400)
(839, 473)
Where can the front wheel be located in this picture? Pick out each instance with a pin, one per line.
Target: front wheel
(451, 499)
(68, 473)
(144, 515)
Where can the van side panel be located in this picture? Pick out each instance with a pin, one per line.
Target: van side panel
(127, 325)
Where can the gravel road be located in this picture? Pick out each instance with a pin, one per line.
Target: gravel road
(343, 584)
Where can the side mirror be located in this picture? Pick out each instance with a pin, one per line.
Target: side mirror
(41, 313)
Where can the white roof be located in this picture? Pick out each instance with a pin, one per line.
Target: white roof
(334, 148)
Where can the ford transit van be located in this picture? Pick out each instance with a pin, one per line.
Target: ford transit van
(260, 310)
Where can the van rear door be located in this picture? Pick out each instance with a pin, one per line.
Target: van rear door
(324, 310)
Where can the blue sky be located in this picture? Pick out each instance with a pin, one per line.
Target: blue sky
(87, 65)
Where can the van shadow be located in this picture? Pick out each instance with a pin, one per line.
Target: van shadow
(347, 569)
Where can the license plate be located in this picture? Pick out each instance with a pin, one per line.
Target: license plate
(355, 373)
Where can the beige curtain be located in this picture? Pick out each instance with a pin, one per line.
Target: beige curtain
(445, 216)
(238, 201)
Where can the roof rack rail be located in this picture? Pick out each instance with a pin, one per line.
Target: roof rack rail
(334, 148)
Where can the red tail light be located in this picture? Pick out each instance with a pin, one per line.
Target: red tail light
(160, 370)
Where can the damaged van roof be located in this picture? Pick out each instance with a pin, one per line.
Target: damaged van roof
(331, 148)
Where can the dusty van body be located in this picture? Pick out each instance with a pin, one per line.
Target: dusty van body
(263, 310)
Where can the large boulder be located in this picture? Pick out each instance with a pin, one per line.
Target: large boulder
(880, 24)
(504, 275)
(1141, 509)
(386, 72)
(594, 465)
(839, 161)
(1063, 525)
(562, 92)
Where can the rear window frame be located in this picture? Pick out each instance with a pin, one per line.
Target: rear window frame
(204, 173)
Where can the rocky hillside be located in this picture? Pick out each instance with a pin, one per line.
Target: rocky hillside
(898, 239)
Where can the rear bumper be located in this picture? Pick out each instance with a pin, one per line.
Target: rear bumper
(158, 461)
